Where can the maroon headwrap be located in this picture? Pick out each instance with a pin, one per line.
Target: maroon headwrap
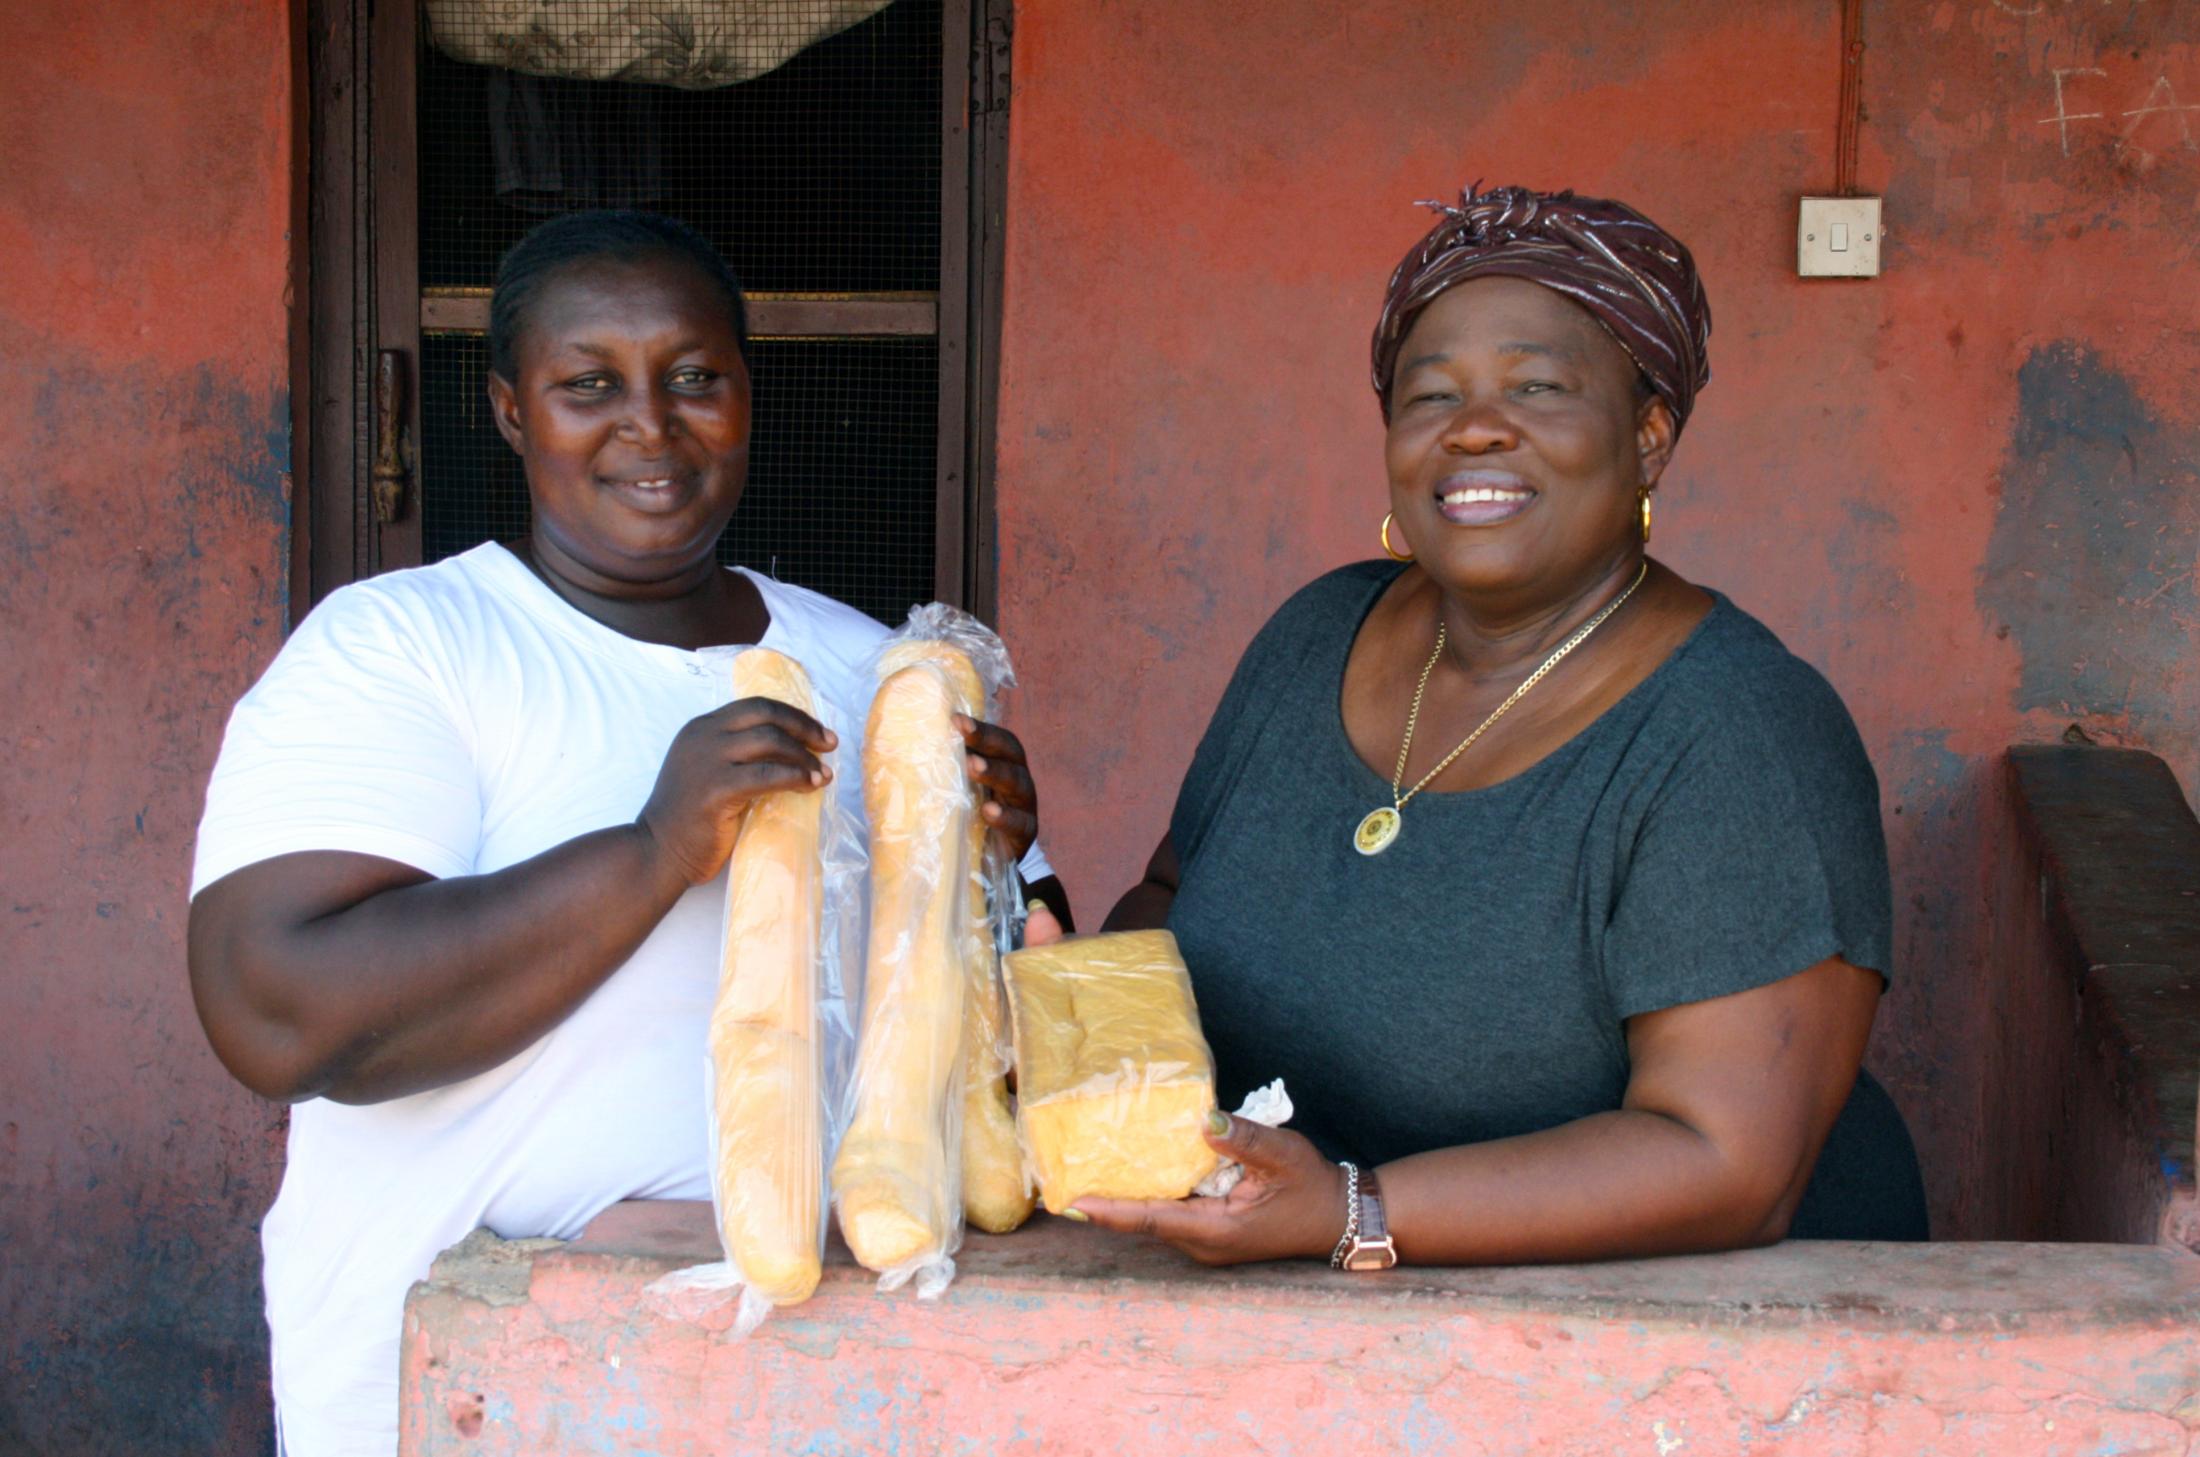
(1632, 276)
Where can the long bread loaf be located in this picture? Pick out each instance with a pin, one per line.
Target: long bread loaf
(763, 1028)
(895, 1180)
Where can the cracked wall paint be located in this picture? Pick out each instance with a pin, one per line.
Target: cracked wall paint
(144, 207)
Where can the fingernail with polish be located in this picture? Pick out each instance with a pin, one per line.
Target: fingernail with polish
(1033, 906)
(1077, 1214)
(1218, 1123)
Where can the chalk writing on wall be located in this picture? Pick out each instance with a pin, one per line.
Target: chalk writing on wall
(2153, 118)
(2041, 7)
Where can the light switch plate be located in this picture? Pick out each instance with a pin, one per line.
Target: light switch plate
(1838, 237)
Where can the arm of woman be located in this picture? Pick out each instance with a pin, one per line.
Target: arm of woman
(359, 978)
(1726, 1108)
(1145, 906)
(1727, 1105)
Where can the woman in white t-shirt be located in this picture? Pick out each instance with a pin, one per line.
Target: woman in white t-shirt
(454, 889)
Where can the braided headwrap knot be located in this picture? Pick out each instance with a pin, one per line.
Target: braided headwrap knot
(1633, 277)
(1487, 219)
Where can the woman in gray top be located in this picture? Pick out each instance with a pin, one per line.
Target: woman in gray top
(1552, 884)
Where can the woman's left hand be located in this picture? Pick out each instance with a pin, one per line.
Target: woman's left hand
(997, 766)
(1289, 1205)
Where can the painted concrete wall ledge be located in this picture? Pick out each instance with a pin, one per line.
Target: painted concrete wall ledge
(1064, 1340)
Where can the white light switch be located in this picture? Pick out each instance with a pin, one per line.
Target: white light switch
(1838, 237)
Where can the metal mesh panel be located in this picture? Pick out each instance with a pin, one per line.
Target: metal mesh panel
(820, 176)
(842, 427)
(839, 497)
(471, 489)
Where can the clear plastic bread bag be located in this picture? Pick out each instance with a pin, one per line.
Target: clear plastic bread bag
(898, 1180)
(1114, 1080)
(779, 1029)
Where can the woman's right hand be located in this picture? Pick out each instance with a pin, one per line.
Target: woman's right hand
(716, 766)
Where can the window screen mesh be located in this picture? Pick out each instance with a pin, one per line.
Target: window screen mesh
(820, 176)
(843, 428)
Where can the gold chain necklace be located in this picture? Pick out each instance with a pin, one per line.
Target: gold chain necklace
(1381, 827)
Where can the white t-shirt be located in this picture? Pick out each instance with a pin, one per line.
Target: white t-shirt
(461, 718)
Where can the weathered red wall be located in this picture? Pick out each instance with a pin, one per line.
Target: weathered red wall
(145, 188)
(1968, 490)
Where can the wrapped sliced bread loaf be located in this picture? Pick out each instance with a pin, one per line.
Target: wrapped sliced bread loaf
(1114, 1081)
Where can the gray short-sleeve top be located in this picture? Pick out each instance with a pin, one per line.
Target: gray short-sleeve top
(1715, 830)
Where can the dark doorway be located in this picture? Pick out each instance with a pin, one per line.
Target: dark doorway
(853, 184)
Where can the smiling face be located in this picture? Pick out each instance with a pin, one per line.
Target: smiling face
(1518, 442)
(630, 412)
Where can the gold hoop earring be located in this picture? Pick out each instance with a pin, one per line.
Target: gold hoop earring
(1389, 550)
(1645, 499)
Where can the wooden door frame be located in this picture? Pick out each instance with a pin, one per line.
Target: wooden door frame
(361, 203)
(993, 29)
(361, 215)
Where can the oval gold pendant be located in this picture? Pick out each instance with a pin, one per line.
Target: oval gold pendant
(1376, 832)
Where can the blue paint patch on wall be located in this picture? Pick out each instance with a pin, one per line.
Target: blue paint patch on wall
(2090, 565)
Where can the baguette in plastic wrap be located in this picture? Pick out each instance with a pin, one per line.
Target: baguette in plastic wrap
(768, 1167)
(1114, 1080)
(897, 1182)
(777, 1005)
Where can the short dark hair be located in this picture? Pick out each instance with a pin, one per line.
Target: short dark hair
(619, 235)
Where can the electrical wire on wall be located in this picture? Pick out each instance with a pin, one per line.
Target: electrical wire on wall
(1852, 98)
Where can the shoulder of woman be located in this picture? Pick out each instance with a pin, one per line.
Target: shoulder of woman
(411, 603)
(1334, 598)
(820, 624)
(828, 613)
(1738, 691)
(1354, 580)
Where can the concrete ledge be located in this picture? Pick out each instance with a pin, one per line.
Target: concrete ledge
(2118, 855)
(1064, 1339)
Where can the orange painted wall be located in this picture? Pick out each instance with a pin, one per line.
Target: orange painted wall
(1969, 491)
(145, 193)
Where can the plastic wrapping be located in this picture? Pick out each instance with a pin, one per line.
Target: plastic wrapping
(1114, 1081)
(1268, 1105)
(996, 1196)
(777, 1026)
(897, 1182)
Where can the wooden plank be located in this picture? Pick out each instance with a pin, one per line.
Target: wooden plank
(330, 445)
(299, 293)
(2119, 856)
(950, 514)
(988, 232)
(771, 315)
(396, 222)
